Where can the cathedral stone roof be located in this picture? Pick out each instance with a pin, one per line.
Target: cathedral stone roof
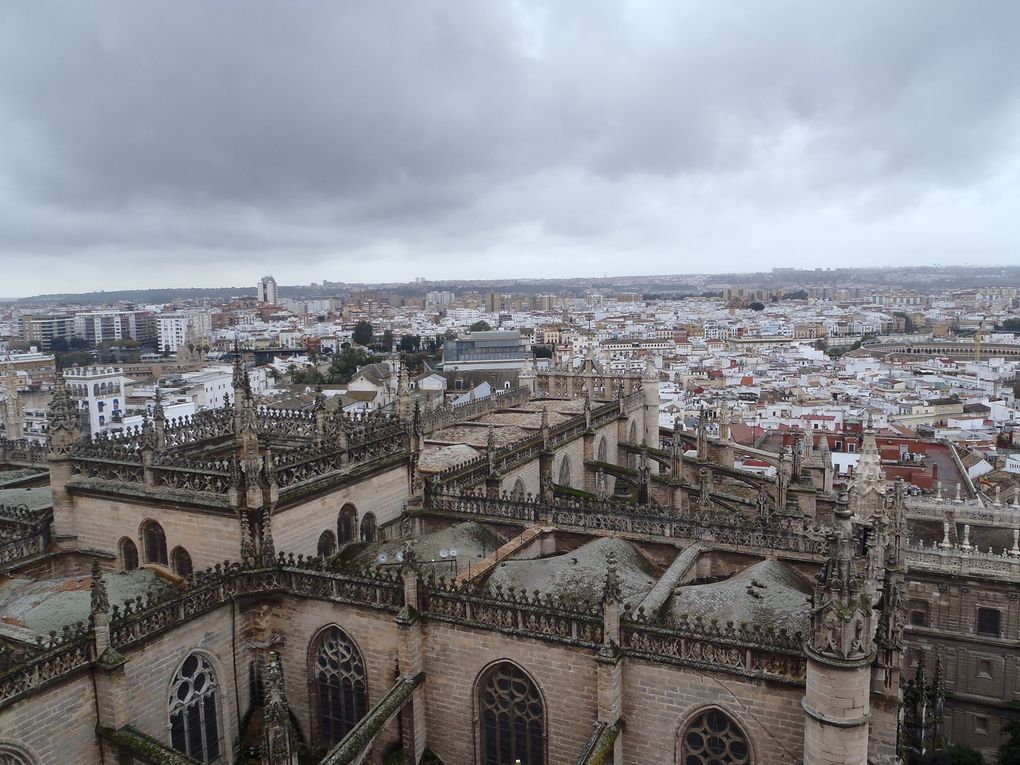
(766, 594)
(581, 573)
(32, 608)
(471, 540)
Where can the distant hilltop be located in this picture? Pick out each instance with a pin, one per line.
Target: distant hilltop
(919, 278)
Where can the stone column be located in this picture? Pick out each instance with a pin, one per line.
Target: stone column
(411, 662)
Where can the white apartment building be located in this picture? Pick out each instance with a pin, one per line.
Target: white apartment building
(172, 330)
(267, 290)
(100, 395)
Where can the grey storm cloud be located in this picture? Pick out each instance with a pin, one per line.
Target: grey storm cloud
(201, 143)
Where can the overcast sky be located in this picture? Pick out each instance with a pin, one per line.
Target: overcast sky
(147, 144)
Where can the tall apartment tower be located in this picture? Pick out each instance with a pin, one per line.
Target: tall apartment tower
(267, 290)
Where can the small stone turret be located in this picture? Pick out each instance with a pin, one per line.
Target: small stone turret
(13, 413)
(650, 401)
(279, 742)
(63, 433)
(867, 486)
(840, 651)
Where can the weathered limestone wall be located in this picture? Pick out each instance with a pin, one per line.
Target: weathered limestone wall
(208, 538)
(659, 700)
(566, 677)
(574, 451)
(529, 473)
(150, 670)
(56, 725)
(297, 529)
(374, 632)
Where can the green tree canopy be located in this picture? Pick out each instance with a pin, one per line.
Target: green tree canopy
(480, 326)
(363, 333)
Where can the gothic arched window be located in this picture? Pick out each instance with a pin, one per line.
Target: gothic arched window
(565, 472)
(194, 710)
(11, 756)
(327, 544)
(339, 688)
(520, 490)
(368, 527)
(154, 543)
(181, 562)
(347, 523)
(713, 738)
(128, 555)
(511, 717)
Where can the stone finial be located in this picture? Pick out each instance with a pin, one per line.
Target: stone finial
(965, 545)
(63, 420)
(278, 741)
(100, 599)
(1015, 550)
(247, 543)
(612, 591)
(267, 549)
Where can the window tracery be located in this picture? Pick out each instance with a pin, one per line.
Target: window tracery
(713, 738)
(194, 715)
(511, 717)
(339, 685)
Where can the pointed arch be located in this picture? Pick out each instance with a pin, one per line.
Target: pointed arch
(195, 710)
(602, 455)
(180, 562)
(327, 544)
(520, 491)
(347, 523)
(369, 528)
(510, 716)
(339, 685)
(127, 551)
(564, 479)
(712, 737)
(153, 542)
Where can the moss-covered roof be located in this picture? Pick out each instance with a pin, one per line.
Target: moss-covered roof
(767, 594)
(581, 573)
(38, 498)
(471, 540)
(49, 604)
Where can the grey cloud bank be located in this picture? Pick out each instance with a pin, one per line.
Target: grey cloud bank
(206, 143)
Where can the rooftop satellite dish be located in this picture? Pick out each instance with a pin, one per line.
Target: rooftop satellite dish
(444, 553)
(383, 557)
(453, 552)
(400, 556)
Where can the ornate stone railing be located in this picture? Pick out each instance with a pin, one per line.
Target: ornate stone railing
(515, 613)
(499, 399)
(742, 649)
(22, 452)
(286, 422)
(24, 669)
(24, 533)
(787, 535)
(136, 620)
(959, 562)
(207, 425)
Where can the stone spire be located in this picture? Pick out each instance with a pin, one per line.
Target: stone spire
(267, 550)
(841, 613)
(63, 420)
(403, 391)
(12, 406)
(278, 740)
(867, 485)
(702, 435)
(651, 374)
(100, 600)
